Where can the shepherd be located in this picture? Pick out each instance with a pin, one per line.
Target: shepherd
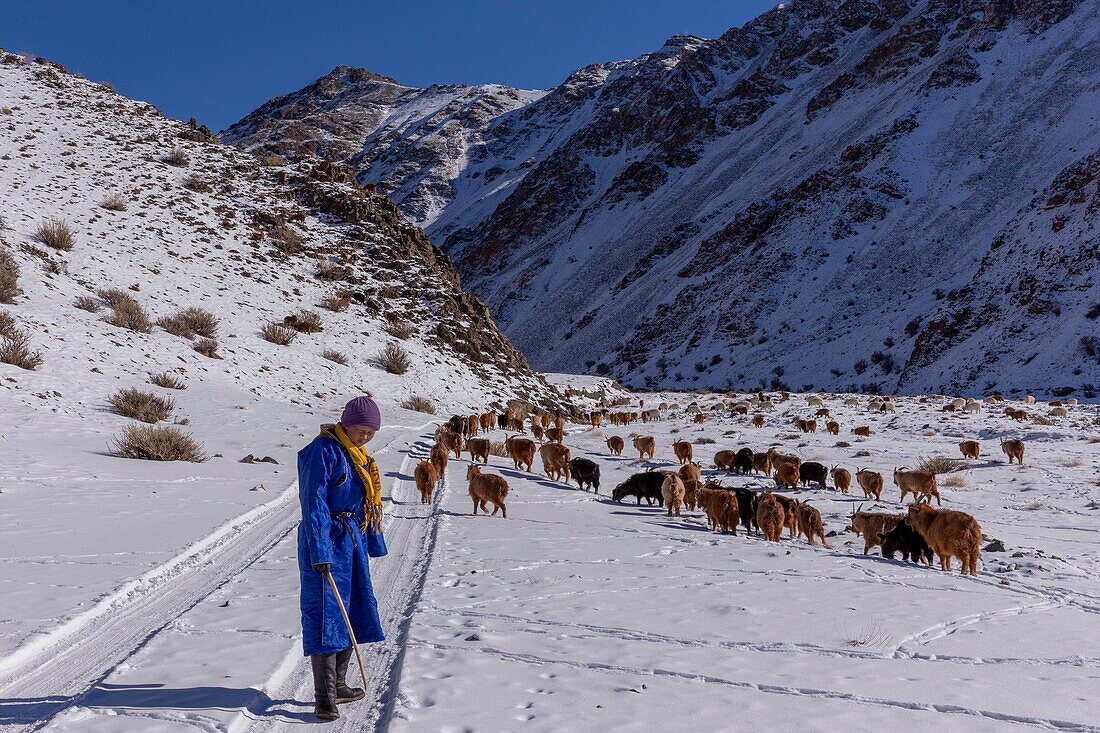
(341, 496)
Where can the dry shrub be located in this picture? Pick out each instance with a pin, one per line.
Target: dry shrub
(331, 271)
(394, 359)
(337, 302)
(15, 349)
(940, 464)
(115, 296)
(286, 239)
(114, 202)
(955, 482)
(333, 355)
(144, 406)
(9, 277)
(56, 234)
(207, 347)
(197, 184)
(191, 322)
(87, 303)
(1041, 420)
(130, 315)
(277, 333)
(157, 443)
(7, 325)
(399, 329)
(308, 322)
(176, 157)
(496, 448)
(166, 380)
(419, 404)
(273, 160)
(704, 441)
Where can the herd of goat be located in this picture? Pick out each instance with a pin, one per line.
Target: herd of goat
(916, 535)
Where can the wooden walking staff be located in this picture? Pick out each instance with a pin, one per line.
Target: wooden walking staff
(347, 622)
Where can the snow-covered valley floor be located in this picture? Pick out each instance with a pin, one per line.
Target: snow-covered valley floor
(577, 612)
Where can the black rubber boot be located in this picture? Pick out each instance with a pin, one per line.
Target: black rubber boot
(343, 692)
(324, 686)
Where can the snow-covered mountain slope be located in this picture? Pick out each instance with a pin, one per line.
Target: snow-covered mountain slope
(879, 194)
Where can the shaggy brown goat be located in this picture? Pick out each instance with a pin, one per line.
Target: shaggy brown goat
(870, 482)
(691, 488)
(790, 508)
(683, 451)
(486, 487)
(479, 448)
(555, 461)
(810, 524)
(758, 421)
(723, 459)
(786, 474)
(615, 445)
(672, 491)
(1014, 449)
(762, 462)
(521, 450)
(917, 483)
(970, 448)
(438, 457)
(426, 478)
(644, 444)
(832, 427)
(842, 479)
(862, 431)
(555, 435)
(770, 517)
(721, 509)
(950, 534)
(872, 525)
(451, 441)
(690, 472)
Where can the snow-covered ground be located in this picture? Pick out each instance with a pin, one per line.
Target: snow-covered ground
(577, 611)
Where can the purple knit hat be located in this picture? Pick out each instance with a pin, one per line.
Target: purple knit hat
(361, 411)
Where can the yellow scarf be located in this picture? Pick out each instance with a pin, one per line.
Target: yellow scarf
(367, 469)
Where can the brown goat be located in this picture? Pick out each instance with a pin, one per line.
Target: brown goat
(644, 444)
(762, 463)
(823, 412)
(1014, 449)
(595, 419)
(786, 474)
(970, 448)
(479, 448)
(842, 479)
(700, 418)
(555, 461)
(917, 483)
(690, 472)
(555, 435)
(810, 524)
(776, 458)
(426, 478)
(691, 488)
(486, 487)
(723, 459)
(438, 457)
(872, 525)
(522, 451)
(870, 482)
(451, 441)
(950, 534)
(862, 431)
(832, 427)
(721, 509)
(672, 491)
(488, 421)
(790, 516)
(473, 424)
(758, 421)
(615, 444)
(538, 432)
(770, 517)
(683, 451)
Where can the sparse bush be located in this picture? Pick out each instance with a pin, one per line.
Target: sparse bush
(114, 202)
(166, 380)
(333, 355)
(286, 239)
(197, 184)
(273, 160)
(157, 443)
(191, 322)
(337, 302)
(143, 406)
(940, 464)
(399, 329)
(394, 359)
(115, 296)
(496, 448)
(704, 441)
(177, 158)
(308, 322)
(87, 303)
(9, 277)
(277, 333)
(15, 349)
(207, 347)
(7, 324)
(955, 482)
(331, 271)
(130, 315)
(419, 404)
(56, 234)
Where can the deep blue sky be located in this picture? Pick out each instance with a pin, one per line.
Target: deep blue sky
(217, 61)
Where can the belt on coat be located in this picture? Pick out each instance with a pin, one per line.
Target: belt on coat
(344, 517)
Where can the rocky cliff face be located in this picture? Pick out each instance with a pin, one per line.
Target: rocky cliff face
(879, 194)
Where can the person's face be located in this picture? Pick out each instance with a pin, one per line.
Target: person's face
(359, 434)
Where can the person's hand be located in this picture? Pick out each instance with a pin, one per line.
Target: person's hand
(321, 567)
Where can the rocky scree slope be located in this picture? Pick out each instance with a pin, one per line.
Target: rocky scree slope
(868, 194)
(167, 214)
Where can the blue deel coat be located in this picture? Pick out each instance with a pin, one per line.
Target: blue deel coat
(327, 485)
